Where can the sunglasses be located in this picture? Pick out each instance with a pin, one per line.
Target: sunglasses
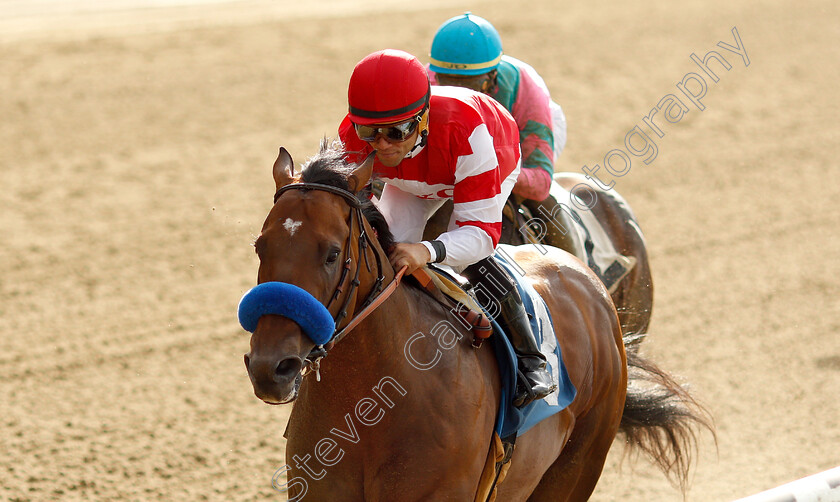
(393, 132)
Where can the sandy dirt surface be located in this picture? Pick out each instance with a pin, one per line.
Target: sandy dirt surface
(135, 171)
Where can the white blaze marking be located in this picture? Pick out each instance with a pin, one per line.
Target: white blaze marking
(291, 226)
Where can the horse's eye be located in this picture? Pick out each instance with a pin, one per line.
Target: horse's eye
(332, 256)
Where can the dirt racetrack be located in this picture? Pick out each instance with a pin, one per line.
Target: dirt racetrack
(135, 156)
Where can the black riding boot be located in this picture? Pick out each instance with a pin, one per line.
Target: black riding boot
(495, 282)
(531, 360)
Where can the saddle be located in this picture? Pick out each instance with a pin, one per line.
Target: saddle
(448, 291)
(510, 421)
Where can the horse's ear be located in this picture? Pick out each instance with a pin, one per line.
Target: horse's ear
(361, 175)
(284, 169)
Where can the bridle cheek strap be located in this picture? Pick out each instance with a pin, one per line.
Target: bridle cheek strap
(297, 304)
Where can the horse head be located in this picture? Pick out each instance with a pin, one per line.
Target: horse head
(315, 258)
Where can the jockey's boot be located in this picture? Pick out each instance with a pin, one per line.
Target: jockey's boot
(534, 380)
(495, 284)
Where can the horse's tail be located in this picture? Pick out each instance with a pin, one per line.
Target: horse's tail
(661, 418)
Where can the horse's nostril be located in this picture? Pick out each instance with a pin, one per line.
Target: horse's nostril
(287, 368)
(247, 362)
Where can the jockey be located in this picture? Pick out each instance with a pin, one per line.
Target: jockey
(467, 52)
(434, 144)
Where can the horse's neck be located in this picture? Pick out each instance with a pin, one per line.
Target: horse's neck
(376, 348)
(382, 378)
(374, 392)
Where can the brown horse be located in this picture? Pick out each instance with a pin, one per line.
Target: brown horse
(633, 296)
(404, 407)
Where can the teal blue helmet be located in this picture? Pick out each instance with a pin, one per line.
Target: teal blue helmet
(466, 45)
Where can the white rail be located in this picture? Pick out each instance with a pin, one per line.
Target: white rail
(822, 487)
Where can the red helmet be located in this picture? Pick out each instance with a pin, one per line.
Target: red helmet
(387, 86)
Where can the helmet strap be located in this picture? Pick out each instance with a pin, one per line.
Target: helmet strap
(422, 128)
(492, 83)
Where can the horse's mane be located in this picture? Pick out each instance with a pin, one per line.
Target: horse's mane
(329, 167)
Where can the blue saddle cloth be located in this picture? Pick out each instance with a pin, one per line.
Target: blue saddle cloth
(510, 419)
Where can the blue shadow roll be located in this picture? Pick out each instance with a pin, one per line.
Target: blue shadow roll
(290, 301)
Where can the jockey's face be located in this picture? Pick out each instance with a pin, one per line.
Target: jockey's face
(389, 152)
(483, 83)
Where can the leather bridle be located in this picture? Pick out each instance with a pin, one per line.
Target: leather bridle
(377, 294)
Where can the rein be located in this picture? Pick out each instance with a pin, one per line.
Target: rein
(377, 294)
